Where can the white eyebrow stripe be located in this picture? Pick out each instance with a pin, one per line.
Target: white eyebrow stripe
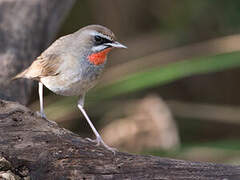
(94, 33)
(98, 48)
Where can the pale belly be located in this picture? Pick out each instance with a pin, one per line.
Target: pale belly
(68, 85)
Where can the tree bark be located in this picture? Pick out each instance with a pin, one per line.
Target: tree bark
(39, 149)
(26, 28)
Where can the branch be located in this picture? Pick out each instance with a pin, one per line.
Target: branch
(39, 149)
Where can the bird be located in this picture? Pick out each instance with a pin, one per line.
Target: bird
(72, 65)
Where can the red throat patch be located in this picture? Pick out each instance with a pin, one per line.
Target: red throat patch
(99, 57)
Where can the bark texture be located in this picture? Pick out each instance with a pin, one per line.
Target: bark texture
(26, 28)
(39, 149)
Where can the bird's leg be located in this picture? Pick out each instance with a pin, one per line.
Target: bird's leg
(40, 91)
(41, 113)
(98, 139)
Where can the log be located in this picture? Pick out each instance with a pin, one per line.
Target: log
(35, 148)
(26, 28)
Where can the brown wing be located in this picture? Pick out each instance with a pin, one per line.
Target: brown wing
(43, 66)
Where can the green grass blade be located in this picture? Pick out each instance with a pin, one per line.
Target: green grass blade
(169, 73)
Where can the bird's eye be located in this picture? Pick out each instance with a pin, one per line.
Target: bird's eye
(99, 40)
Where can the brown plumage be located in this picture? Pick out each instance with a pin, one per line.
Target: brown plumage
(41, 67)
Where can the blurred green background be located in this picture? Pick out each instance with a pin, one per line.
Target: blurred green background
(175, 91)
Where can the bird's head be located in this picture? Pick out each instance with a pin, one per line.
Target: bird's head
(100, 41)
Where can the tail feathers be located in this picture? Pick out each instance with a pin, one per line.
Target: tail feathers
(20, 75)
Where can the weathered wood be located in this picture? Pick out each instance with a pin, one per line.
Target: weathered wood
(42, 150)
(26, 28)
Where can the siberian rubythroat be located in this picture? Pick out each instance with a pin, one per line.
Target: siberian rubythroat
(72, 65)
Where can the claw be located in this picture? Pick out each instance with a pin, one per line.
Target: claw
(99, 141)
(42, 115)
(91, 140)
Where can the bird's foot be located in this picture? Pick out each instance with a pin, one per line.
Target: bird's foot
(99, 141)
(42, 115)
